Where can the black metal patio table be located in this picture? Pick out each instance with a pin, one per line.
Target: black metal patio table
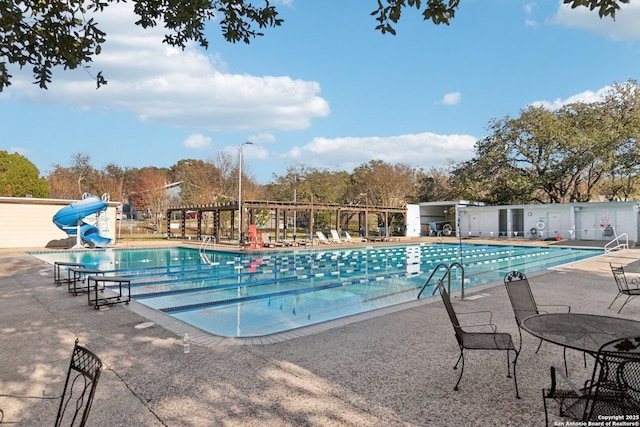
(583, 332)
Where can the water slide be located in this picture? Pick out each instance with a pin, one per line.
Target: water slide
(69, 220)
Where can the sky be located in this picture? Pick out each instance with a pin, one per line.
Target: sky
(324, 90)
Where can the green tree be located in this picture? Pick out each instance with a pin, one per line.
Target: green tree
(622, 174)
(46, 34)
(303, 182)
(378, 183)
(433, 185)
(384, 184)
(389, 12)
(20, 178)
(285, 187)
(200, 181)
(530, 158)
(573, 154)
(307, 185)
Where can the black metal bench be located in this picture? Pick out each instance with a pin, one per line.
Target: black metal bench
(78, 281)
(59, 266)
(99, 298)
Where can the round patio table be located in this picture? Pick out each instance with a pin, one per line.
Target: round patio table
(584, 332)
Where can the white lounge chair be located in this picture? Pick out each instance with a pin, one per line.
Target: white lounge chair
(267, 242)
(335, 237)
(349, 239)
(322, 238)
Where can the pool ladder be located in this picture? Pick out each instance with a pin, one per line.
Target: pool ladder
(207, 243)
(446, 275)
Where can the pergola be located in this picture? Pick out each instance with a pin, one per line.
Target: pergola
(250, 208)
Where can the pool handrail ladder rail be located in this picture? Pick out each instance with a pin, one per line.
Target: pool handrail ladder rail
(207, 243)
(619, 243)
(447, 275)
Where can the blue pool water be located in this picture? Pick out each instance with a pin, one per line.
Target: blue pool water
(256, 294)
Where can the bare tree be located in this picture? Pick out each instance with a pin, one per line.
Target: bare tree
(385, 184)
(227, 184)
(150, 194)
(111, 181)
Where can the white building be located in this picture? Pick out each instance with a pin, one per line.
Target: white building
(28, 223)
(572, 221)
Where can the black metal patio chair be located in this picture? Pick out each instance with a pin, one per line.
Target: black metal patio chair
(524, 304)
(624, 288)
(79, 388)
(612, 391)
(522, 300)
(478, 340)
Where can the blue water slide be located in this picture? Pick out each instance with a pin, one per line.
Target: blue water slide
(67, 220)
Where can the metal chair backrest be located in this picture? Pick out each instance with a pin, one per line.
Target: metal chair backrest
(79, 388)
(608, 232)
(519, 290)
(452, 314)
(616, 380)
(621, 279)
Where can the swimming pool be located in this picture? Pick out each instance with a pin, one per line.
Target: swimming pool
(256, 294)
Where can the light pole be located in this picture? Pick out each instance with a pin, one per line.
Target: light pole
(365, 231)
(311, 224)
(240, 191)
(298, 180)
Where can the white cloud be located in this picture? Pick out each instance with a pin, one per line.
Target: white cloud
(263, 138)
(197, 142)
(451, 98)
(529, 7)
(421, 150)
(587, 97)
(258, 149)
(20, 150)
(625, 26)
(162, 84)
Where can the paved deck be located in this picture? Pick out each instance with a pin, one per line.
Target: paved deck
(389, 370)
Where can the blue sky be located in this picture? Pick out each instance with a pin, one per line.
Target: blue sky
(325, 89)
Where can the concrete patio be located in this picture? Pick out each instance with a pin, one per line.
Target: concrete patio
(391, 369)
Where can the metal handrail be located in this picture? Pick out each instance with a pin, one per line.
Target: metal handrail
(618, 246)
(426, 283)
(447, 275)
(206, 243)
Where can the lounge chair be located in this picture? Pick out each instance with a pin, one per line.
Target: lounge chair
(612, 390)
(624, 288)
(268, 243)
(79, 388)
(478, 340)
(305, 240)
(322, 238)
(349, 239)
(335, 237)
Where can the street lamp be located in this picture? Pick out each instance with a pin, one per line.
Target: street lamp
(240, 190)
(298, 180)
(365, 232)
